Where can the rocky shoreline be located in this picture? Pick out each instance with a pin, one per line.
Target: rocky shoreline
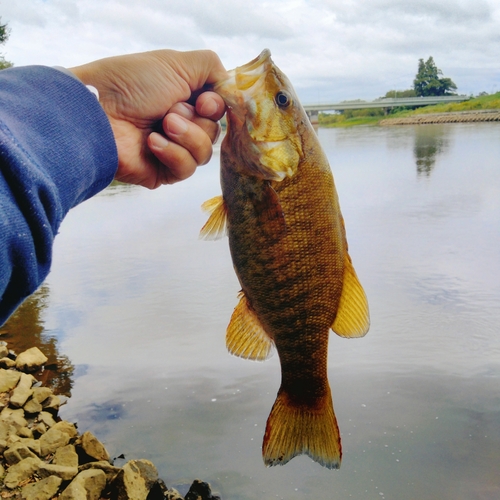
(484, 115)
(43, 457)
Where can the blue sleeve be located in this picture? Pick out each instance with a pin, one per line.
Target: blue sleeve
(56, 150)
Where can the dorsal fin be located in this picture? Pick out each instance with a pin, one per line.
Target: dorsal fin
(216, 225)
(245, 336)
(353, 318)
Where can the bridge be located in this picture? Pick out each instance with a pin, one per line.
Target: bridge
(384, 102)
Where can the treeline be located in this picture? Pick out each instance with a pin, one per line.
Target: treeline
(4, 36)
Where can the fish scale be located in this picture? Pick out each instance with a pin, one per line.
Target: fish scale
(287, 239)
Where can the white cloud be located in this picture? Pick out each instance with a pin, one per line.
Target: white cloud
(330, 49)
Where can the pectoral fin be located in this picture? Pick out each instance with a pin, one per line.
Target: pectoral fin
(353, 318)
(215, 227)
(245, 336)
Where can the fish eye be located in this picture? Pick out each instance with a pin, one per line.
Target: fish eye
(283, 100)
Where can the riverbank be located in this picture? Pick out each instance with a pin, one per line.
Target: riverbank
(483, 108)
(486, 115)
(43, 457)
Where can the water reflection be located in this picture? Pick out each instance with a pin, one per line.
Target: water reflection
(430, 142)
(141, 305)
(25, 329)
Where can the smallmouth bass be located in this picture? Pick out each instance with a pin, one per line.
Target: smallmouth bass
(280, 209)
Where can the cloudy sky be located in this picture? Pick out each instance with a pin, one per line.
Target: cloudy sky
(330, 49)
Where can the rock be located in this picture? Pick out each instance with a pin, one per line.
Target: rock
(51, 440)
(46, 418)
(22, 391)
(4, 350)
(31, 360)
(57, 436)
(67, 428)
(200, 491)
(110, 470)
(93, 447)
(40, 394)
(66, 456)
(41, 490)
(87, 485)
(6, 429)
(39, 429)
(62, 471)
(7, 363)
(159, 491)
(21, 471)
(17, 452)
(52, 404)
(32, 444)
(8, 379)
(135, 480)
(173, 494)
(32, 406)
(25, 432)
(14, 417)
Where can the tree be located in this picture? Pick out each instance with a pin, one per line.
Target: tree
(4, 36)
(428, 81)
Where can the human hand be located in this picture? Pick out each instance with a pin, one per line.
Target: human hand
(162, 127)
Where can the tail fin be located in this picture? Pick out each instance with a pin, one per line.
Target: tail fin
(296, 430)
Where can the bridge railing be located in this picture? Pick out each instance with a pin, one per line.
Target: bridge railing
(385, 102)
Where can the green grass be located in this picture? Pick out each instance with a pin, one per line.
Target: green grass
(484, 102)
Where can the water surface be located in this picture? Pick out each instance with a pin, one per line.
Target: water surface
(136, 307)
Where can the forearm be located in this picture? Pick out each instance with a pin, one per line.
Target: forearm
(56, 150)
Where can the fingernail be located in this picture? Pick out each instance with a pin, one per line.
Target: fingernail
(157, 141)
(176, 125)
(209, 108)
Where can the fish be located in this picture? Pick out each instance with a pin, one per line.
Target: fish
(280, 210)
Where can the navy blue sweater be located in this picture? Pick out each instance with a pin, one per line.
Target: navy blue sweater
(56, 150)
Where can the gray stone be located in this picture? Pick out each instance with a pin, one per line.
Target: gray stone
(14, 417)
(31, 360)
(21, 471)
(65, 473)
(135, 480)
(66, 456)
(87, 485)
(8, 379)
(22, 391)
(17, 452)
(93, 447)
(41, 490)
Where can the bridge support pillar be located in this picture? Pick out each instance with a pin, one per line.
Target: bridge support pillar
(313, 116)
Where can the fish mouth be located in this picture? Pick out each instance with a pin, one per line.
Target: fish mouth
(244, 81)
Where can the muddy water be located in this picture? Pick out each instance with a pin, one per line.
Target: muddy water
(136, 307)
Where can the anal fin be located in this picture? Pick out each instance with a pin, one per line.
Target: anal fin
(216, 225)
(245, 336)
(353, 317)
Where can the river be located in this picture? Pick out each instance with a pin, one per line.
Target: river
(135, 309)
